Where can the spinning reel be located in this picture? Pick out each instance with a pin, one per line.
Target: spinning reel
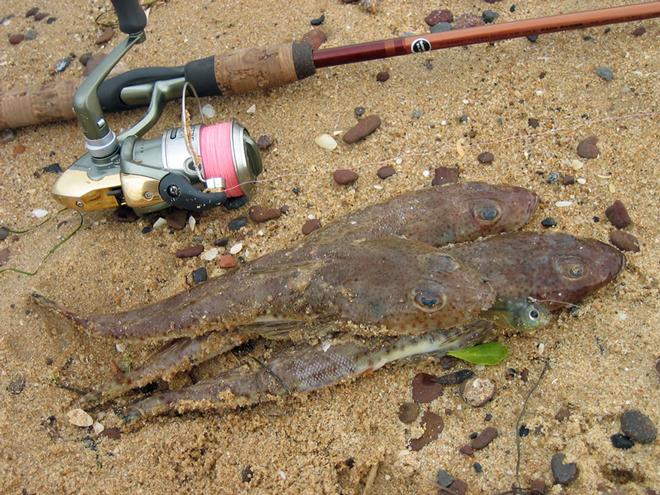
(193, 168)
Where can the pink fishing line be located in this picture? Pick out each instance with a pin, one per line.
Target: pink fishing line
(217, 158)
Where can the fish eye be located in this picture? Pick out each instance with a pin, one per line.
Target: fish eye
(533, 315)
(571, 267)
(429, 300)
(487, 211)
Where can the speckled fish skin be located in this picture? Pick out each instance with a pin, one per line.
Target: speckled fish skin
(554, 268)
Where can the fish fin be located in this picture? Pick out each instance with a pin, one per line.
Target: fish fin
(54, 307)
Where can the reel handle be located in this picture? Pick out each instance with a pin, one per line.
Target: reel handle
(177, 191)
(132, 19)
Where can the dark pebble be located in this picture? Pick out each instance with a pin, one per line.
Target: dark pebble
(53, 168)
(318, 21)
(382, 76)
(466, 450)
(621, 441)
(458, 487)
(385, 172)
(533, 123)
(455, 378)
(264, 142)
(441, 27)
(468, 21)
(247, 474)
(445, 175)
(596, 219)
(177, 219)
(40, 16)
(605, 73)
(32, 11)
(16, 386)
(624, 241)
(89, 443)
(484, 438)
(408, 412)
(344, 177)
(617, 214)
(51, 20)
(359, 111)
(190, 251)
(147, 229)
(433, 426)
(200, 275)
(512, 9)
(489, 16)
(314, 38)
(553, 177)
(4, 232)
(31, 34)
(639, 31)
(62, 64)
(587, 148)
(7, 136)
(112, 433)
(259, 214)
(549, 222)
(295, 190)
(563, 473)
(85, 58)
(443, 478)
(124, 214)
(310, 226)
(15, 39)
(448, 362)
(425, 388)
(486, 157)
(567, 180)
(537, 487)
(488, 417)
(236, 203)
(237, 223)
(473, 435)
(638, 426)
(478, 468)
(222, 242)
(523, 431)
(284, 209)
(436, 16)
(533, 38)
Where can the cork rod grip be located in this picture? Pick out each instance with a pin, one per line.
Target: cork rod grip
(50, 102)
(251, 69)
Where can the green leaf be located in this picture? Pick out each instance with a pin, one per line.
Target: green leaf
(489, 354)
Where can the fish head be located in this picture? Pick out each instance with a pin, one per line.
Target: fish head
(522, 314)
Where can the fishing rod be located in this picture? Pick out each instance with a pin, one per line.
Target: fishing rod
(203, 166)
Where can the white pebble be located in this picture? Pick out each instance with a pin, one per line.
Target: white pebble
(326, 141)
(623, 316)
(98, 428)
(538, 92)
(281, 474)
(581, 180)
(466, 101)
(252, 109)
(191, 223)
(540, 348)
(39, 213)
(208, 111)
(576, 164)
(210, 254)
(260, 232)
(120, 347)
(563, 203)
(161, 222)
(398, 160)
(311, 216)
(236, 248)
(426, 173)
(78, 417)
(443, 122)
(378, 186)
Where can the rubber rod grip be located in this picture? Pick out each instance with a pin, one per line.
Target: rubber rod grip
(251, 69)
(50, 102)
(132, 18)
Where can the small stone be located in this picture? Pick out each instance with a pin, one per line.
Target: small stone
(532, 38)
(382, 76)
(441, 27)
(4, 256)
(112, 433)
(31, 11)
(236, 248)
(489, 16)
(458, 487)
(221, 242)
(310, 226)
(562, 473)
(639, 31)
(53, 168)
(537, 487)
(467, 21)
(564, 203)
(624, 241)
(39, 213)
(124, 214)
(247, 474)
(16, 385)
(455, 378)
(617, 214)
(252, 109)
(484, 438)
(4, 232)
(147, 229)
(62, 64)
(160, 222)
(105, 36)
(417, 114)
(208, 111)
(567, 180)
(40, 16)
(264, 142)
(31, 34)
(467, 450)
(553, 177)
(177, 219)
(533, 123)
(478, 468)
(486, 157)
(638, 426)
(587, 148)
(436, 16)
(549, 222)
(365, 127)
(523, 431)
(80, 418)
(237, 223)
(7, 136)
(51, 20)
(425, 389)
(15, 39)
(318, 21)
(200, 275)
(478, 391)
(344, 177)
(621, 441)
(443, 478)
(326, 141)
(190, 251)
(19, 149)
(227, 261)
(408, 412)
(98, 428)
(359, 111)
(258, 214)
(85, 58)
(385, 172)
(315, 38)
(210, 254)
(605, 73)
(448, 362)
(433, 426)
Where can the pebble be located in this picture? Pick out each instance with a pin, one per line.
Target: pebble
(478, 468)
(259, 214)
(417, 114)
(365, 127)
(53, 168)
(98, 428)
(466, 450)
(639, 31)
(532, 38)
(210, 254)
(489, 16)
(382, 76)
(310, 226)
(318, 21)
(105, 36)
(237, 224)
(425, 388)
(564, 203)
(78, 417)
(31, 11)
(433, 426)
(51, 20)
(112, 433)
(190, 251)
(441, 27)
(617, 214)
(31, 34)
(236, 248)
(200, 275)
(468, 21)
(19, 149)
(549, 222)
(40, 16)
(4, 232)
(478, 391)
(62, 64)
(315, 38)
(621, 441)
(624, 241)
(176, 219)
(458, 487)
(208, 111)
(638, 426)
(359, 111)
(15, 39)
(227, 261)
(160, 222)
(7, 136)
(533, 123)
(344, 177)
(537, 487)
(523, 431)
(408, 412)
(484, 438)
(455, 378)
(221, 242)
(553, 177)
(605, 73)
(567, 180)
(124, 214)
(147, 229)
(326, 141)
(443, 478)
(4, 256)
(16, 385)
(39, 213)
(486, 157)
(587, 148)
(385, 172)
(436, 16)
(264, 142)
(562, 473)
(252, 109)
